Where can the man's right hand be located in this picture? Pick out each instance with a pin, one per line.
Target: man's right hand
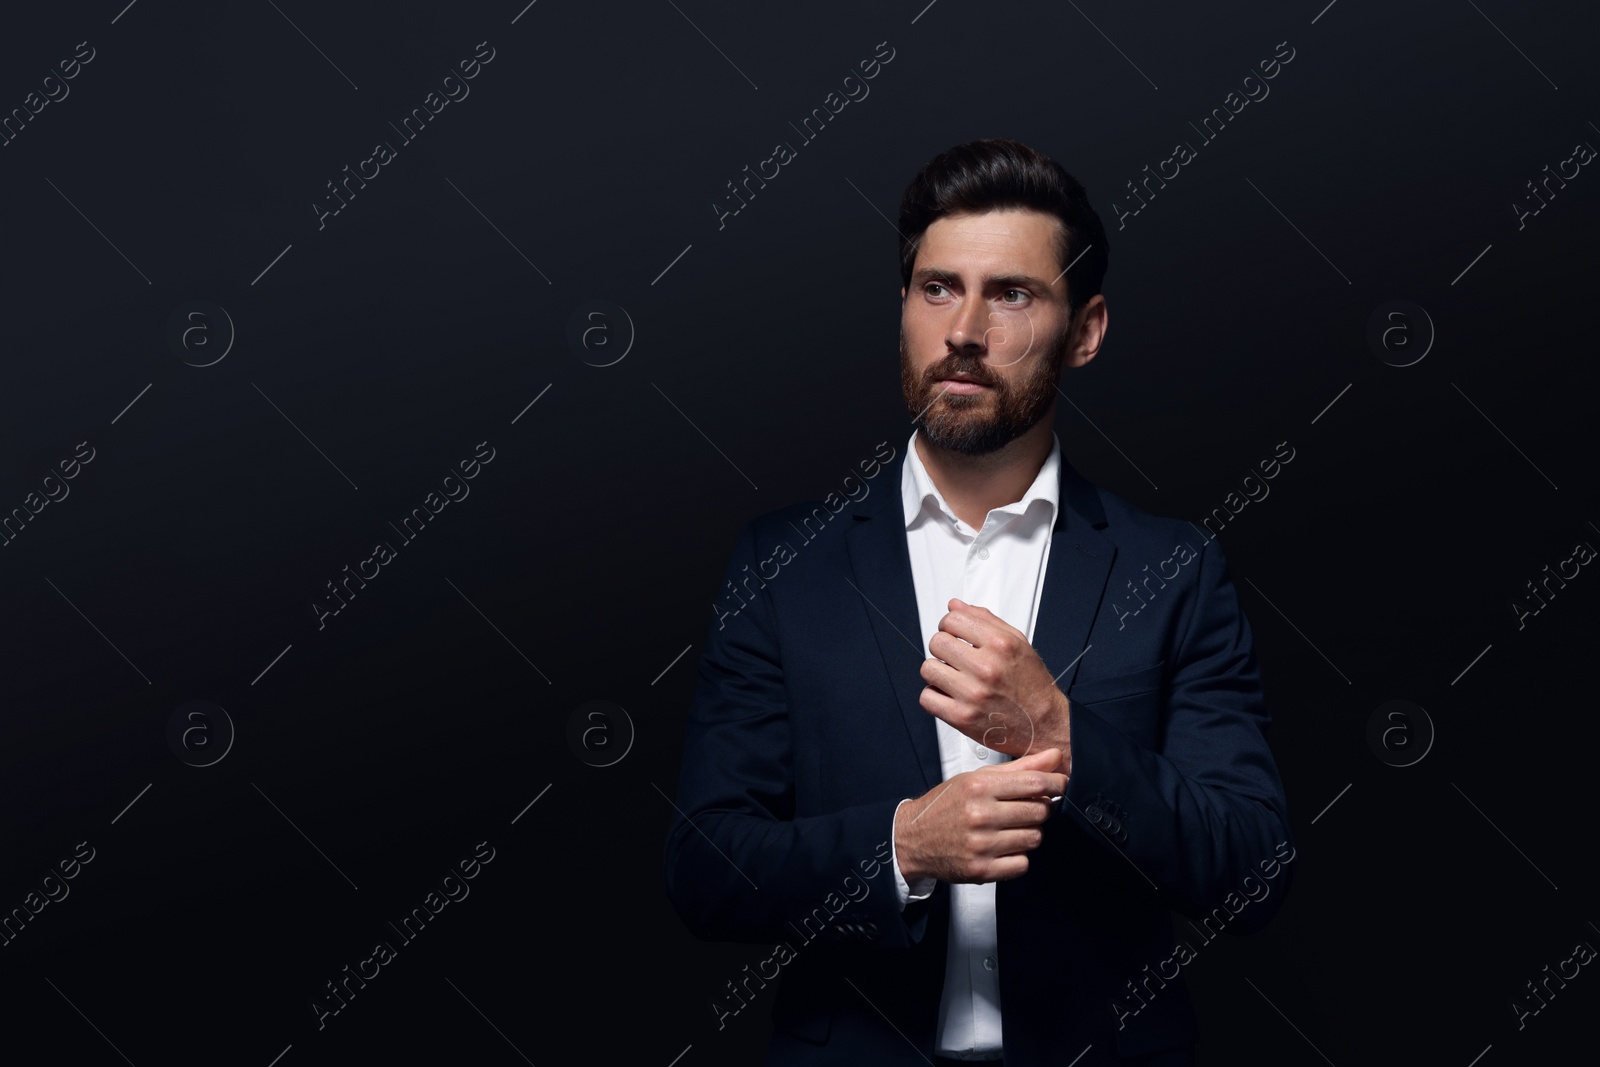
(979, 825)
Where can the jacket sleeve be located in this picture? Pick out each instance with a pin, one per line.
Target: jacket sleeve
(1202, 816)
(739, 864)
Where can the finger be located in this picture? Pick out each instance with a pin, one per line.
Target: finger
(1003, 816)
(990, 731)
(1014, 867)
(941, 706)
(1021, 814)
(952, 650)
(999, 869)
(949, 680)
(1026, 785)
(965, 622)
(1014, 842)
(1010, 767)
(1046, 759)
(979, 620)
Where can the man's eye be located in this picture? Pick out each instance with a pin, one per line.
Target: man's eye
(1020, 294)
(928, 289)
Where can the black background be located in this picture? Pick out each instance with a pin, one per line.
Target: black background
(379, 350)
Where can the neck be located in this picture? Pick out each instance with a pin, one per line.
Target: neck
(974, 485)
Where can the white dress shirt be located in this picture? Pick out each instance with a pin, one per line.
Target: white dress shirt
(1000, 567)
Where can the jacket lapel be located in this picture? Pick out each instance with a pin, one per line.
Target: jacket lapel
(1081, 553)
(880, 562)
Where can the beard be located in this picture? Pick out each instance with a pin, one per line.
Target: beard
(979, 423)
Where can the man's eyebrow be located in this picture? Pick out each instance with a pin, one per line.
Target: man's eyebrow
(939, 274)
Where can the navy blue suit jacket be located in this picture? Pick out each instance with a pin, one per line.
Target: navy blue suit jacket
(805, 732)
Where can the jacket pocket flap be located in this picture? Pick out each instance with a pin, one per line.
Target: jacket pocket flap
(1125, 684)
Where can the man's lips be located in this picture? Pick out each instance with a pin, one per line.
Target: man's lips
(960, 385)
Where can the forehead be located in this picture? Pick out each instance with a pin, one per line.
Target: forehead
(1013, 238)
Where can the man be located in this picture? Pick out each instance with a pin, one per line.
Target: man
(957, 752)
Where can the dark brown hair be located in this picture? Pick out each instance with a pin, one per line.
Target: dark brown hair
(996, 173)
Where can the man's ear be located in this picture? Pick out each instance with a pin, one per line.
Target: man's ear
(1092, 332)
(902, 294)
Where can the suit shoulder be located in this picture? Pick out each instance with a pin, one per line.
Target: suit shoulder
(803, 521)
(1134, 526)
(860, 492)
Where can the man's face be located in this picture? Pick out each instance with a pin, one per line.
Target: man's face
(988, 302)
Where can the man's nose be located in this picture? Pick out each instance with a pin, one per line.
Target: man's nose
(968, 326)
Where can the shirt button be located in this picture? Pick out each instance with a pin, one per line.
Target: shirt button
(983, 553)
(988, 963)
(980, 751)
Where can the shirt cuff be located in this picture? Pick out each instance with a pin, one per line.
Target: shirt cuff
(907, 894)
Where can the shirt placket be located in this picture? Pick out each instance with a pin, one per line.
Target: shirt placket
(977, 905)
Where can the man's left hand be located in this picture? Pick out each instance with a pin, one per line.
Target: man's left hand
(987, 681)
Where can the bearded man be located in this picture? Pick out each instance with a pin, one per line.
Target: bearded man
(960, 759)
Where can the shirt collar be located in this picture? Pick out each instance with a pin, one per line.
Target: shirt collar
(917, 488)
